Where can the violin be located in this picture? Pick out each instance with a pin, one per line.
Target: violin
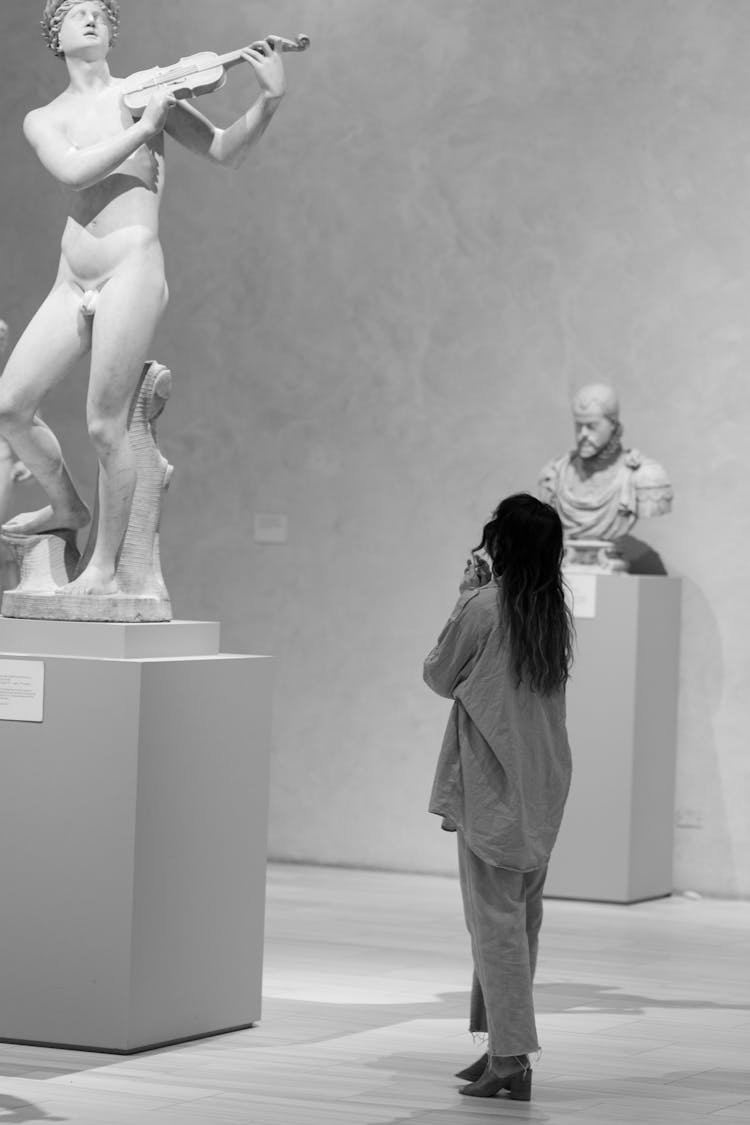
(195, 74)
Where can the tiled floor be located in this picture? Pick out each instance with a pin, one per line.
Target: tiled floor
(643, 1012)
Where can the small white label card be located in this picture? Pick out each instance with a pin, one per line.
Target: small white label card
(580, 591)
(22, 690)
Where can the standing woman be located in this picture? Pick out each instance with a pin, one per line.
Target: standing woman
(504, 769)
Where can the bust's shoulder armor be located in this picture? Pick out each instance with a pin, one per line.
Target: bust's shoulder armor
(652, 485)
(549, 477)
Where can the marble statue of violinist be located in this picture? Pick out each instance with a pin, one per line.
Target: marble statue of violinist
(110, 291)
(600, 489)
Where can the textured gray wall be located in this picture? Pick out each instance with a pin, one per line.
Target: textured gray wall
(462, 211)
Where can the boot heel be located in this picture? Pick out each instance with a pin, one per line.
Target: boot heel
(520, 1086)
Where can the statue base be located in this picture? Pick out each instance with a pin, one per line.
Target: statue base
(593, 556)
(47, 563)
(85, 607)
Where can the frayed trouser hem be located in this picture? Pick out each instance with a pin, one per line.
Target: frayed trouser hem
(479, 1037)
(534, 1053)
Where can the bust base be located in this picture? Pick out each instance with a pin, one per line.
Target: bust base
(86, 607)
(593, 556)
(617, 836)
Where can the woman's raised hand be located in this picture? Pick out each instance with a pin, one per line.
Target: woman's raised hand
(476, 573)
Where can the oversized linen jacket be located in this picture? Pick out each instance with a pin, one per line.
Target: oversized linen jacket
(505, 766)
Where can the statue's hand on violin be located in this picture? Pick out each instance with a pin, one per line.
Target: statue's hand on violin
(156, 112)
(264, 56)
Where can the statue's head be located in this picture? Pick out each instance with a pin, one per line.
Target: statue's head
(81, 28)
(596, 414)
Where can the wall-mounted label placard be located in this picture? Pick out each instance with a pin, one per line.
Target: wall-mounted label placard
(580, 593)
(22, 691)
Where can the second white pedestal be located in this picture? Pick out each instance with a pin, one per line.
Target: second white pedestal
(133, 849)
(617, 835)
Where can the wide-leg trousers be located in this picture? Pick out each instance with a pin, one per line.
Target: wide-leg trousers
(503, 911)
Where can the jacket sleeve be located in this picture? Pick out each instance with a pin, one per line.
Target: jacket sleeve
(457, 649)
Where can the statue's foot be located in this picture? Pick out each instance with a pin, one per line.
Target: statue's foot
(47, 520)
(94, 580)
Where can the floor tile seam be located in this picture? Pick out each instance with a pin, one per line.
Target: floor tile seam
(116, 1100)
(696, 1074)
(276, 1100)
(108, 1090)
(705, 1104)
(733, 1105)
(49, 1087)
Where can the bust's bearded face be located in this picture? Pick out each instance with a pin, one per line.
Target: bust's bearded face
(593, 431)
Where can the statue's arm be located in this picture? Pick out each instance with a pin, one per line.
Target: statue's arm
(7, 456)
(190, 128)
(193, 130)
(80, 168)
(235, 143)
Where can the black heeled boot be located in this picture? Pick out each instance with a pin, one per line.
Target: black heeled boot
(512, 1073)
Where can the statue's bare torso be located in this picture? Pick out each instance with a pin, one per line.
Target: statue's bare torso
(118, 217)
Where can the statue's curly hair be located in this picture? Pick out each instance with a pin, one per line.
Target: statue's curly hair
(55, 12)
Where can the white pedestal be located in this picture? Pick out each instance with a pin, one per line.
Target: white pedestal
(133, 837)
(617, 837)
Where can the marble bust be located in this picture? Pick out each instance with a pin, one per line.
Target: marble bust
(600, 489)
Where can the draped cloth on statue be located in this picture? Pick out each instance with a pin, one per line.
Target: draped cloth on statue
(635, 487)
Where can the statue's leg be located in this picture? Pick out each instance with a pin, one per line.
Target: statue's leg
(127, 313)
(8, 566)
(7, 462)
(56, 337)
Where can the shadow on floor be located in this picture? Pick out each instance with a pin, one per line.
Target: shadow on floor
(574, 997)
(14, 1111)
(313, 1021)
(554, 998)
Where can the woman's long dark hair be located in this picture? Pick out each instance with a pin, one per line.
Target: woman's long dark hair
(524, 539)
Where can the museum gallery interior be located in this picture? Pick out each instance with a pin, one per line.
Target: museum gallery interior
(374, 651)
